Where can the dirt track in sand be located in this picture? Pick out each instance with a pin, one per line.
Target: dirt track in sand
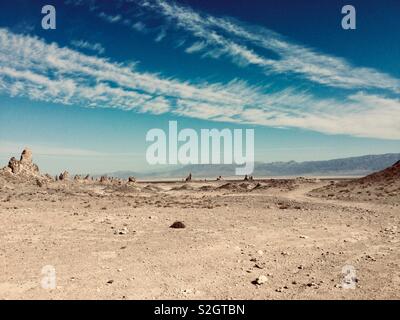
(233, 235)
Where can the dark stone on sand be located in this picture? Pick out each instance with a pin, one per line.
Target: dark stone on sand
(178, 225)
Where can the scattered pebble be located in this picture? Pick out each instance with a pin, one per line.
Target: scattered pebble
(121, 231)
(178, 225)
(261, 280)
(260, 265)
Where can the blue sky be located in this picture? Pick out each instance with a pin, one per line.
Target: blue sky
(84, 95)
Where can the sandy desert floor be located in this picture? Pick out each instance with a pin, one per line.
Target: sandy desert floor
(115, 242)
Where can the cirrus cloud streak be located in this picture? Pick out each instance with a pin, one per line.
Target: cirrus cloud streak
(32, 68)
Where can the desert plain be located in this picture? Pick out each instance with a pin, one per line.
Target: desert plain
(262, 239)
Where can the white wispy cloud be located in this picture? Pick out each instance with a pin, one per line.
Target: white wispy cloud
(226, 37)
(196, 47)
(32, 68)
(110, 18)
(161, 35)
(139, 26)
(230, 38)
(96, 47)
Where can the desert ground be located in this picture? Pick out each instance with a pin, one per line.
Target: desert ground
(261, 239)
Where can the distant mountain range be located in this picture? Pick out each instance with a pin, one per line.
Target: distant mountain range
(354, 166)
